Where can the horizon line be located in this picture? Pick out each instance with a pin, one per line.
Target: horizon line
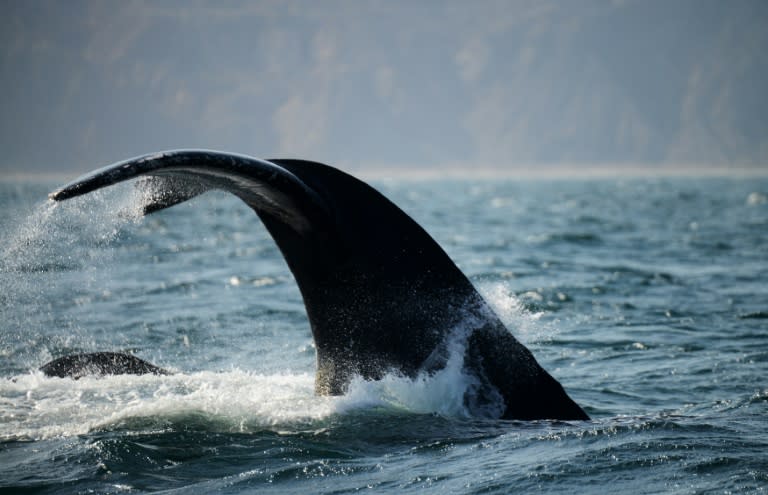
(471, 171)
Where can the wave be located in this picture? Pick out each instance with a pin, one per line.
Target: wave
(35, 407)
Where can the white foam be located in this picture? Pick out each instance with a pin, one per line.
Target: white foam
(33, 406)
(449, 391)
(441, 392)
(37, 407)
(524, 324)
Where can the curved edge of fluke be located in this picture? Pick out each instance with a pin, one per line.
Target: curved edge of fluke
(197, 161)
(263, 185)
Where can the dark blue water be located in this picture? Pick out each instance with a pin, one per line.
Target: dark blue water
(646, 298)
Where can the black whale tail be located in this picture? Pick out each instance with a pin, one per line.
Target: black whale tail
(379, 292)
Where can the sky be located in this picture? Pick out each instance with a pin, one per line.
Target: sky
(403, 85)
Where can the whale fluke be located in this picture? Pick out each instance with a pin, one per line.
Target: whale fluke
(99, 364)
(381, 295)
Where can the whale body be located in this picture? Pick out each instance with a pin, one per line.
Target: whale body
(380, 294)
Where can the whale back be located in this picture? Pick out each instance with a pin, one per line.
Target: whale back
(99, 364)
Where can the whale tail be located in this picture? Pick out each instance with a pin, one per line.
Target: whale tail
(380, 293)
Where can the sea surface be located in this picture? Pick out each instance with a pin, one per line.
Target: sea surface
(647, 298)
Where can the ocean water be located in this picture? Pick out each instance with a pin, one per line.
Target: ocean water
(647, 298)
